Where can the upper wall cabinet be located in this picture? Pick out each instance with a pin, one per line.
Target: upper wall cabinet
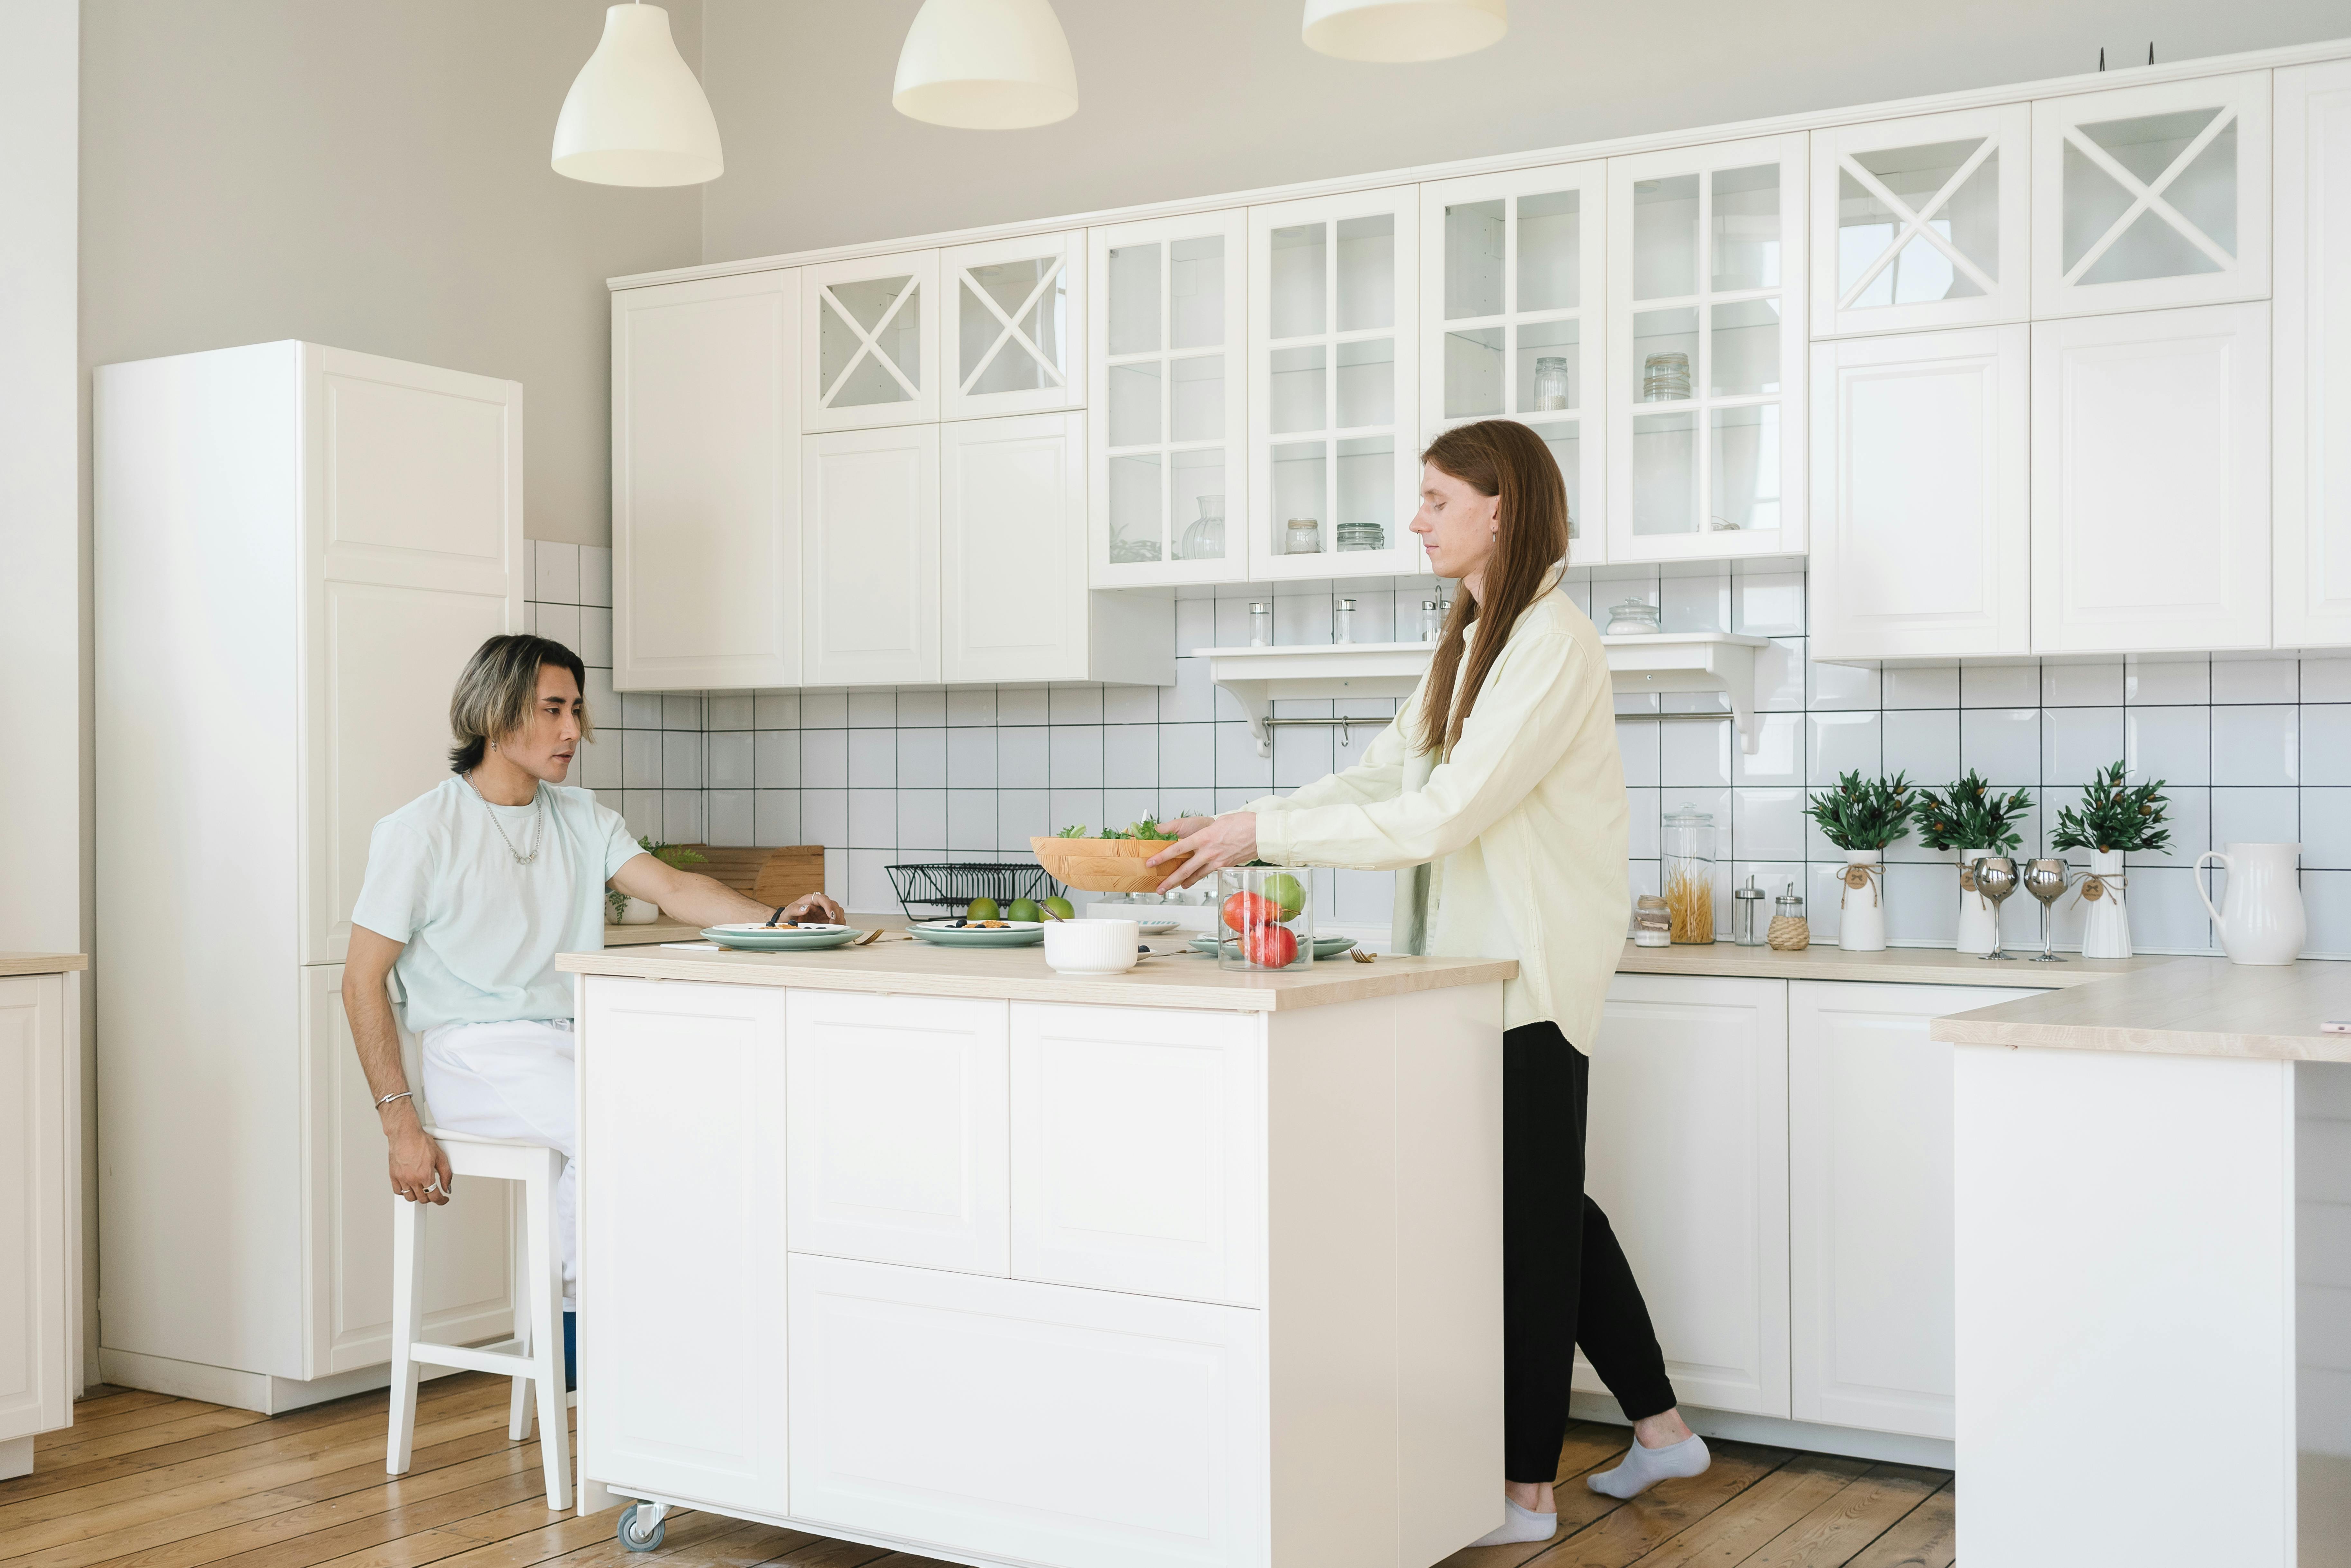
(1706, 351)
(705, 483)
(1509, 317)
(1921, 223)
(873, 340)
(1333, 455)
(2312, 430)
(1016, 325)
(2151, 197)
(1170, 421)
(869, 557)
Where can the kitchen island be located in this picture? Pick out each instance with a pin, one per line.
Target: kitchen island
(940, 1250)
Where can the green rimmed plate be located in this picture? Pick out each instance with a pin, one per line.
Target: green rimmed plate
(1324, 946)
(755, 938)
(947, 934)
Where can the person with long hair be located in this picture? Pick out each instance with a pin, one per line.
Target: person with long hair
(1499, 796)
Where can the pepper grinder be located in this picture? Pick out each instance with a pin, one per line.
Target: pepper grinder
(1747, 915)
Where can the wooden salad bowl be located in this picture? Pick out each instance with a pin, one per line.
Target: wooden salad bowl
(1104, 865)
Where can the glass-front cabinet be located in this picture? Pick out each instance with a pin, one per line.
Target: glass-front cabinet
(1169, 424)
(1706, 351)
(1333, 459)
(870, 350)
(1014, 339)
(2150, 196)
(1921, 223)
(1510, 317)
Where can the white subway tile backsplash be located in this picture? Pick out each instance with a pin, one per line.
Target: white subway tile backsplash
(873, 818)
(560, 622)
(1020, 705)
(1694, 753)
(872, 759)
(2077, 742)
(2255, 745)
(872, 710)
(729, 710)
(923, 761)
(596, 575)
(682, 710)
(1998, 686)
(971, 758)
(2254, 680)
(1920, 686)
(2149, 682)
(1923, 743)
(2099, 684)
(556, 573)
(2002, 744)
(2326, 680)
(777, 816)
(1021, 757)
(776, 710)
(824, 817)
(595, 644)
(730, 758)
(1074, 755)
(776, 759)
(1130, 756)
(2256, 816)
(824, 758)
(640, 759)
(1844, 743)
(1130, 704)
(731, 818)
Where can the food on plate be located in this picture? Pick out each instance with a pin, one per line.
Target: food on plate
(1288, 891)
(1247, 911)
(1270, 947)
(1059, 906)
(983, 909)
(1023, 909)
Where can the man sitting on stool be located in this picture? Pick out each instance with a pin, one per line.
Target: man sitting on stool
(472, 889)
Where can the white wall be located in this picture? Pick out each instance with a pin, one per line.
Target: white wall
(1185, 98)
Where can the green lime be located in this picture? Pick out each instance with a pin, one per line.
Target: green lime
(982, 909)
(1024, 909)
(1286, 891)
(1061, 907)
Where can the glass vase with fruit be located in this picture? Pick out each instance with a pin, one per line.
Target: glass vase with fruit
(1265, 918)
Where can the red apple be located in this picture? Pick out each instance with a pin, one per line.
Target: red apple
(1270, 947)
(1248, 911)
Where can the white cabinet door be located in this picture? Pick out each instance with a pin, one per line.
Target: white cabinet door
(1016, 323)
(1332, 438)
(2312, 412)
(2150, 196)
(1170, 420)
(1706, 351)
(1138, 1150)
(1921, 223)
(1870, 1230)
(897, 1117)
(1012, 500)
(2151, 481)
(682, 1340)
(869, 557)
(1030, 1422)
(1687, 1156)
(706, 484)
(37, 1209)
(1921, 452)
(871, 342)
(469, 1244)
(1511, 309)
(412, 550)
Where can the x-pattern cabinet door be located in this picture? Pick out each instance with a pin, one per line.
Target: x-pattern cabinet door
(1921, 223)
(1332, 388)
(1706, 351)
(2151, 197)
(1015, 341)
(1510, 318)
(1170, 421)
(872, 342)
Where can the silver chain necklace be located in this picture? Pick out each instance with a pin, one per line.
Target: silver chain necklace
(537, 821)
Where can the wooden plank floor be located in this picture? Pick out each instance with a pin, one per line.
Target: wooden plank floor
(145, 1480)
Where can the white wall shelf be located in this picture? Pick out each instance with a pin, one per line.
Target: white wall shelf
(1654, 662)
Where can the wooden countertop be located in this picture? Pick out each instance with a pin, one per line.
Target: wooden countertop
(42, 962)
(1896, 965)
(1175, 976)
(2182, 1007)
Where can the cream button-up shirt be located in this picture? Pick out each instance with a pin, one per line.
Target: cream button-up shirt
(1514, 845)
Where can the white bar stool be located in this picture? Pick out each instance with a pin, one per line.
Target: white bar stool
(539, 1327)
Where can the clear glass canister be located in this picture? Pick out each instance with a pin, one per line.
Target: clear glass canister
(1432, 620)
(1261, 623)
(1265, 916)
(1343, 621)
(1690, 874)
(1550, 383)
(1653, 922)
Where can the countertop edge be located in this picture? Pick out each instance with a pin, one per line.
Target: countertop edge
(15, 964)
(1979, 1027)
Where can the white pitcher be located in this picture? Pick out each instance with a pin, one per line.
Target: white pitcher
(2262, 920)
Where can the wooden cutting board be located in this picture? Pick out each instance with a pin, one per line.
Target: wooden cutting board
(768, 877)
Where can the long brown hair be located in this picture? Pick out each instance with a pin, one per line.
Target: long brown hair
(1494, 458)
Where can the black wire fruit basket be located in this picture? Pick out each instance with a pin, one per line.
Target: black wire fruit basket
(947, 887)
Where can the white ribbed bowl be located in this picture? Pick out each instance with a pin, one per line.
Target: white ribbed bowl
(1092, 946)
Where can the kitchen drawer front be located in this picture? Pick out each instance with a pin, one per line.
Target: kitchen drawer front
(1138, 1140)
(896, 1110)
(1025, 1421)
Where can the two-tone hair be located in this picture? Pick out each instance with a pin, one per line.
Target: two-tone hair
(498, 689)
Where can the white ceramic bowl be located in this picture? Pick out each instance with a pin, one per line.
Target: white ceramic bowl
(1092, 946)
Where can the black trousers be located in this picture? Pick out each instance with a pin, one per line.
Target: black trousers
(1565, 1281)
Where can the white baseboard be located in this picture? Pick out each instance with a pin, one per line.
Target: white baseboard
(258, 1391)
(1892, 1448)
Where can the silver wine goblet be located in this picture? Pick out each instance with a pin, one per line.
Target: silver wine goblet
(1996, 879)
(2047, 881)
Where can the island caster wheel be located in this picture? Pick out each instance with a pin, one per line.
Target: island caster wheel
(635, 1539)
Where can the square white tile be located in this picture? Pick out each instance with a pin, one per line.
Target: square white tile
(824, 710)
(1694, 753)
(731, 818)
(1779, 754)
(971, 759)
(730, 762)
(923, 817)
(1923, 685)
(596, 575)
(971, 818)
(1130, 756)
(681, 759)
(682, 816)
(555, 573)
(1844, 743)
(873, 819)
(2000, 686)
(598, 765)
(1238, 766)
(2173, 744)
(2326, 905)
(641, 710)
(2255, 680)
(1022, 815)
(2002, 744)
(1923, 743)
(1075, 753)
(776, 759)
(2326, 680)
(1769, 604)
(1188, 756)
(2078, 741)
(729, 710)
(872, 759)
(1130, 705)
(1637, 743)
(1767, 824)
(776, 710)
(777, 816)
(2256, 744)
(2096, 684)
(872, 710)
(2168, 681)
(824, 759)
(2166, 915)
(1078, 807)
(1074, 704)
(1780, 675)
(1021, 757)
(1020, 705)
(968, 705)
(2327, 743)
(1694, 603)
(640, 759)
(922, 707)
(682, 710)
(560, 622)
(2256, 816)
(595, 644)
(1842, 687)
(923, 761)
(2326, 828)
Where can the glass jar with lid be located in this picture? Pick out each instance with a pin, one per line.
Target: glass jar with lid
(1632, 618)
(1688, 875)
(1302, 536)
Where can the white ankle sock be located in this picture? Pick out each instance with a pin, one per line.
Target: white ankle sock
(1642, 1468)
(1519, 1524)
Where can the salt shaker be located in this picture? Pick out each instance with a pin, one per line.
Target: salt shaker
(1432, 623)
(1261, 624)
(1343, 621)
(1747, 915)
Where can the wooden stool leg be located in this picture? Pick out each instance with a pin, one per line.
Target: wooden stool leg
(518, 1404)
(546, 1331)
(407, 1296)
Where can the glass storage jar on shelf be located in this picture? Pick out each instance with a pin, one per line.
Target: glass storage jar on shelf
(1688, 875)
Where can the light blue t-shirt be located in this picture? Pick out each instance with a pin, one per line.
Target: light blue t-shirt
(482, 931)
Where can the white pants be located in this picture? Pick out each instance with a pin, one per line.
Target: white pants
(511, 1081)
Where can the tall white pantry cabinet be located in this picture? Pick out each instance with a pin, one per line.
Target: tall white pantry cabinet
(296, 549)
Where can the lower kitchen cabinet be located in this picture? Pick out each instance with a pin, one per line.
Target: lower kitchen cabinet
(1870, 1230)
(40, 1212)
(1687, 1156)
(682, 1239)
(1033, 1422)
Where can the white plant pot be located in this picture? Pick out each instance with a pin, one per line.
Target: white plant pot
(2105, 919)
(1861, 903)
(1979, 917)
(640, 912)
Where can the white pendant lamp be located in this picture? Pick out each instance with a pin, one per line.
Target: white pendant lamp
(986, 65)
(1403, 31)
(635, 115)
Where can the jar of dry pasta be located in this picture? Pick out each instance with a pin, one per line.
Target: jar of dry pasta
(1688, 875)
